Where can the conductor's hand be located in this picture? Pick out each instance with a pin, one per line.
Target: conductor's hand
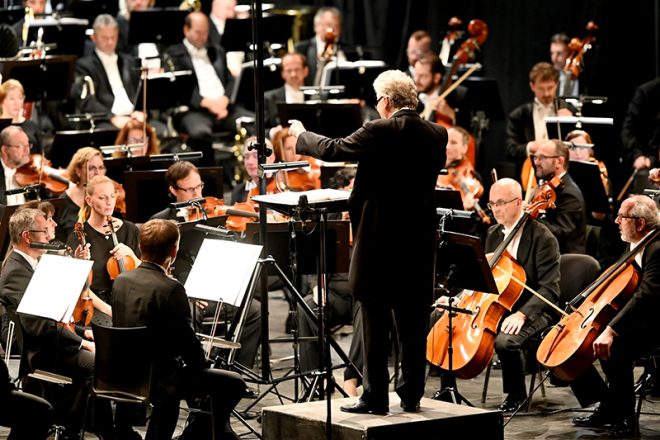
(513, 323)
(296, 128)
(603, 343)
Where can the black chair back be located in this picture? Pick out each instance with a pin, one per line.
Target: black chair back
(577, 271)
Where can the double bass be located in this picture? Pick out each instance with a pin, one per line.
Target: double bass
(475, 334)
(567, 349)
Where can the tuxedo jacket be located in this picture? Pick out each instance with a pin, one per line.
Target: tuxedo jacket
(519, 131)
(388, 265)
(103, 99)
(271, 98)
(568, 221)
(538, 254)
(308, 48)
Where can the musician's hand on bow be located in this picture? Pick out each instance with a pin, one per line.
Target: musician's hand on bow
(296, 128)
(603, 343)
(641, 163)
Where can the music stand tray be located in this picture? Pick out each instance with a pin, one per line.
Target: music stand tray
(156, 25)
(166, 90)
(332, 200)
(54, 83)
(332, 118)
(587, 177)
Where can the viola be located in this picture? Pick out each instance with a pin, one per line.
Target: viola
(116, 266)
(38, 171)
(473, 336)
(84, 310)
(567, 349)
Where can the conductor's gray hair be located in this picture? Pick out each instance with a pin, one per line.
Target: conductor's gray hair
(398, 87)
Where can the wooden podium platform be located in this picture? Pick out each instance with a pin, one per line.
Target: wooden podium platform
(436, 420)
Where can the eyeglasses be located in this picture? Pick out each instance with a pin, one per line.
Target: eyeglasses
(45, 231)
(541, 157)
(621, 217)
(193, 189)
(378, 100)
(500, 203)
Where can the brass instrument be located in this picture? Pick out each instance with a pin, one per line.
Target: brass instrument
(240, 174)
(27, 21)
(191, 5)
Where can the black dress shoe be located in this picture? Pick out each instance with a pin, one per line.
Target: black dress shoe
(362, 407)
(626, 428)
(597, 419)
(250, 393)
(511, 403)
(410, 407)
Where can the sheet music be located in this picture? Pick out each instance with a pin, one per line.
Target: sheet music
(291, 198)
(222, 271)
(55, 300)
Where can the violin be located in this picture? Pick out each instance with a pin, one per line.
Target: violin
(567, 349)
(574, 62)
(120, 201)
(300, 179)
(84, 310)
(115, 266)
(461, 177)
(237, 216)
(38, 171)
(474, 335)
(330, 38)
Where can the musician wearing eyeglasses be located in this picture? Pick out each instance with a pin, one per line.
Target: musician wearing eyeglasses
(14, 153)
(568, 221)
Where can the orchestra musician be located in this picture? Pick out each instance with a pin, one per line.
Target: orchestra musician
(370, 207)
(147, 296)
(245, 190)
(185, 183)
(14, 153)
(537, 251)
(300, 179)
(294, 71)
(100, 197)
(525, 124)
(568, 220)
(639, 132)
(12, 99)
(419, 46)
(38, 8)
(559, 53)
(133, 133)
(629, 335)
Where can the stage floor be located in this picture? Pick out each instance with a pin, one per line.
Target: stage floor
(549, 417)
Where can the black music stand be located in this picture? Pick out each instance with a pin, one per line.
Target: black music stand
(44, 79)
(147, 193)
(323, 117)
(90, 9)
(243, 92)
(588, 178)
(489, 100)
(238, 31)
(66, 33)
(356, 77)
(156, 25)
(67, 142)
(12, 14)
(460, 263)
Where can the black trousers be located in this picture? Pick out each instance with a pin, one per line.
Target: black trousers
(29, 417)
(411, 326)
(511, 352)
(220, 391)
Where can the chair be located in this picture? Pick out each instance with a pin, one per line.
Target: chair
(122, 365)
(576, 272)
(651, 364)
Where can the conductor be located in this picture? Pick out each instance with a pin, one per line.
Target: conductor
(383, 276)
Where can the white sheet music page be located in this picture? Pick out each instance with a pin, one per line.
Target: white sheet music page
(222, 271)
(315, 195)
(55, 287)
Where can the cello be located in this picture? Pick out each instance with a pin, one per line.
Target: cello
(567, 349)
(475, 334)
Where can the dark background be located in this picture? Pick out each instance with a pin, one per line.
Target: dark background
(625, 53)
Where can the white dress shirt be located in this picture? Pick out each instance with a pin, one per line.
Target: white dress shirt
(122, 104)
(10, 183)
(540, 111)
(293, 96)
(209, 84)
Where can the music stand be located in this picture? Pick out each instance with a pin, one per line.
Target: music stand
(243, 92)
(90, 9)
(489, 96)
(49, 78)
(356, 77)
(448, 198)
(238, 31)
(460, 263)
(12, 14)
(588, 178)
(147, 193)
(67, 142)
(156, 25)
(67, 33)
(165, 90)
(322, 117)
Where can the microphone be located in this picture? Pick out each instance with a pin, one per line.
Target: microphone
(178, 205)
(23, 190)
(54, 246)
(218, 232)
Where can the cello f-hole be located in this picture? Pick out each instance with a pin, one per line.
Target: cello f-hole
(583, 324)
(473, 324)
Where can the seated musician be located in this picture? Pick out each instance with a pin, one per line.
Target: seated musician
(185, 183)
(294, 71)
(537, 251)
(12, 99)
(114, 76)
(47, 345)
(250, 187)
(14, 153)
(582, 148)
(210, 110)
(133, 133)
(38, 7)
(568, 220)
(302, 179)
(100, 197)
(147, 296)
(631, 334)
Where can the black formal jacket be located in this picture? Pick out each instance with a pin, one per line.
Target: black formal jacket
(519, 131)
(147, 297)
(308, 48)
(103, 99)
(3, 187)
(538, 254)
(182, 61)
(271, 113)
(641, 127)
(568, 221)
(388, 264)
(636, 323)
